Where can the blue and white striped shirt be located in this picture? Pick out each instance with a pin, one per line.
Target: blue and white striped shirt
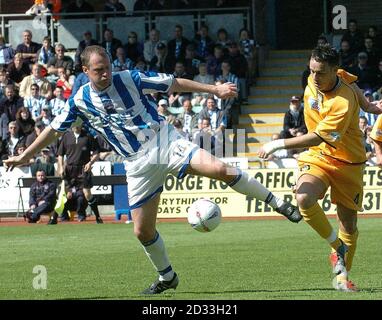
(124, 113)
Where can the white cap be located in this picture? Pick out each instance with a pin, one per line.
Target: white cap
(163, 102)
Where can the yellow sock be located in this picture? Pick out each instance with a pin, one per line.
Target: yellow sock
(351, 241)
(317, 219)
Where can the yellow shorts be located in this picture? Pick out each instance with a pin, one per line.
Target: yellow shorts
(345, 180)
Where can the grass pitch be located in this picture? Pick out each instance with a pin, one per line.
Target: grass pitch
(240, 260)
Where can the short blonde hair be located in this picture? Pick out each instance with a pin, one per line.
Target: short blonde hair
(86, 54)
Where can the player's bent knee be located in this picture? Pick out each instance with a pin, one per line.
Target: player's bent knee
(305, 201)
(144, 234)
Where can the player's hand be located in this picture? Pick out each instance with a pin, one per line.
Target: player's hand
(12, 162)
(271, 147)
(88, 167)
(226, 90)
(378, 105)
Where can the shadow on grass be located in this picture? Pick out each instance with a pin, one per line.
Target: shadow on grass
(177, 293)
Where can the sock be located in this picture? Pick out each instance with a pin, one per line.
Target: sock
(156, 252)
(249, 186)
(351, 241)
(93, 205)
(317, 219)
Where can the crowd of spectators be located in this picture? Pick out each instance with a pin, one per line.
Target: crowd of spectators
(36, 79)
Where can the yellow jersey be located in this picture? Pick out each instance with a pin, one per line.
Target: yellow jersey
(334, 117)
(376, 133)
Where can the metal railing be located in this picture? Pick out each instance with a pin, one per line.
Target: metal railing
(43, 25)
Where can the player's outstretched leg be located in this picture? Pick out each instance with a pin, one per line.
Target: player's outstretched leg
(205, 164)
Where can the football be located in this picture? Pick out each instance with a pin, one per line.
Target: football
(204, 215)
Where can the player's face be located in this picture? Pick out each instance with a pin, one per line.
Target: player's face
(324, 77)
(99, 71)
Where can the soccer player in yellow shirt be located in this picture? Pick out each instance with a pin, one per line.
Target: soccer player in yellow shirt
(336, 158)
(376, 135)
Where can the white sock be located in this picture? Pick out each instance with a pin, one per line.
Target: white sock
(156, 252)
(249, 186)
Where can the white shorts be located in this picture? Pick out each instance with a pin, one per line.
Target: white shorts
(146, 175)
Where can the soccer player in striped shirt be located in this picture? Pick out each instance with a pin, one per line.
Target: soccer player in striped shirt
(120, 108)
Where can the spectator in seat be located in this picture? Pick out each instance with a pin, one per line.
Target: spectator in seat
(38, 128)
(203, 42)
(239, 67)
(35, 102)
(366, 75)
(353, 36)
(10, 103)
(375, 36)
(87, 41)
(12, 142)
(114, 6)
(28, 48)
(218, 123)
(45, 53)
(226, 74)
(60, 61)
(363, 125)
(161, 62)
(373, 55)
(214, 61)
(247, 46)
(162, 109)
(44, 161)
(65, 82)
(4, 81)
(122, 62)
(24, 121)
(177, 45)
(42, 197)
(294, 119)
(176, 98)
(150, 45)
(6, 53)
(223, 40)
(111, 44)
(204, 77)
(133, 48)
(188, 118)
(192, 61)
(35, 78)
(371, 117)
(18, 69)
(347, 57)
(45, 116)
(57, 104)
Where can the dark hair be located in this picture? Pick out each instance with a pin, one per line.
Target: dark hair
(177, 123)
(326, 53)
(86, 54)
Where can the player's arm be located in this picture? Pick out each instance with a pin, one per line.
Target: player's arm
(304, 141)
(370, 107)
(44, 139)
(225, 90)
(378, 152)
